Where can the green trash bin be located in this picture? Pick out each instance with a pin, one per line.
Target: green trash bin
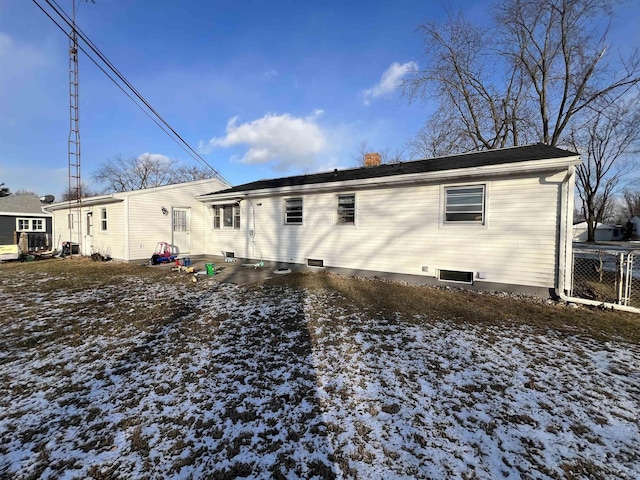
(211, 268)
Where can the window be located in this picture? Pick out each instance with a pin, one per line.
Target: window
(103, 219)
(179, 220)
(216, 217)
(346, 210)
(70, 221)
(230, 216)
(23, 224)
(28, 224)
(464, 204)
(293, 211)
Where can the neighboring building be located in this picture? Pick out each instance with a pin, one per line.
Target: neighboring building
(127, 226)
(23, 213)
(603, 233)
(495, 219)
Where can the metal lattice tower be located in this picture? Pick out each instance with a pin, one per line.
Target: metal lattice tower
(75, 181)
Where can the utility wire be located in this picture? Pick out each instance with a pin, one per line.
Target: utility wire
(158, 120)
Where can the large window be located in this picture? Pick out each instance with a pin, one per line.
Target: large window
(464, 204)
(293, 211)
(103, 219)
(346, 210)
(230, 215)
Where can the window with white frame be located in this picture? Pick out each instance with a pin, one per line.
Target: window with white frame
(465, 204)
(293, 211)
(226, 216)
(30, 225)
(216, 216)
(346, 210)
(70, 222)
(103, 219)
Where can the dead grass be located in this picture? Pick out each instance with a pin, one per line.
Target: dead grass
(478, 308)
(418, 302)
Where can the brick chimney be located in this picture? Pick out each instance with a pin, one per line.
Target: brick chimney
(371, 159)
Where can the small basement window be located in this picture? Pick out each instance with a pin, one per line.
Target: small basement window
(455, 276)
(315, 263)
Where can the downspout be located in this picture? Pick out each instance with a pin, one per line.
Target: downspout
(565, 253)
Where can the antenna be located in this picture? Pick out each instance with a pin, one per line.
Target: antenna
(73, 153)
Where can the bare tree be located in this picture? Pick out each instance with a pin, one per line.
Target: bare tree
(631, 203)
(24, 191)
(539, 65)
(121, 174)
(72, 194)
(606, 145)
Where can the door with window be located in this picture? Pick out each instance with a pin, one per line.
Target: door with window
(181, 230)
(88, 237)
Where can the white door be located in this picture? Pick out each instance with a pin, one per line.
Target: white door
(181, 231)
(87, 245)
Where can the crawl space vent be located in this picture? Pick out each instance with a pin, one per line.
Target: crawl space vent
(455, 276)
(315, 263)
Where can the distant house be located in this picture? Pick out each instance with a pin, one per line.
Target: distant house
(23, 213)
(494, 219)
(603, 233)
(127, 226)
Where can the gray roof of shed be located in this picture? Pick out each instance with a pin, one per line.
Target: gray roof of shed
(452, 162)
(17, 204)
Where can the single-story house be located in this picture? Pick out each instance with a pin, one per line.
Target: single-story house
(128, 226)
(603, 233)
(23, 213)
(494, 219)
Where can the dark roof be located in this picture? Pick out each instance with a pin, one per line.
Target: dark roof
(22, 203)
(466, 160)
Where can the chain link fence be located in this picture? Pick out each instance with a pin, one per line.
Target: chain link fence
(607, 276)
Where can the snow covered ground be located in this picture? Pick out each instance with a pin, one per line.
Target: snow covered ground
(275, 382)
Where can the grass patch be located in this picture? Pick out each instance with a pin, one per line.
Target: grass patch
(478, 308)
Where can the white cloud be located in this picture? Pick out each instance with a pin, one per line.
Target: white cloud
(155, 157)
(271, 73)
(389, 80)
(289, 141)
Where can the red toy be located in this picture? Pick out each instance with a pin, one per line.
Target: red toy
(162, 254)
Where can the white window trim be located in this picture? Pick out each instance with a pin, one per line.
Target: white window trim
(355, 210)
(236, 217)
(284, 211)
(104, 221)
(30, 224)
(485, 206)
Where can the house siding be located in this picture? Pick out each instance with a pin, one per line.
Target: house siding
(400, 230)
(136, 222)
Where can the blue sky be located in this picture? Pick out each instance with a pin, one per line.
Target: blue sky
(260, 89)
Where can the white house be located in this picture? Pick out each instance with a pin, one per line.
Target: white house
(127, 226)
(603, 233)
(495, 219)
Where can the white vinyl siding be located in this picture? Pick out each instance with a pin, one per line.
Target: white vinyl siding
(516, 247)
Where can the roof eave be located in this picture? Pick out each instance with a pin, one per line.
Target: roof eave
(533, 166)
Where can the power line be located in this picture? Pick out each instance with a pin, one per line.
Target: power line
(158, 120)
